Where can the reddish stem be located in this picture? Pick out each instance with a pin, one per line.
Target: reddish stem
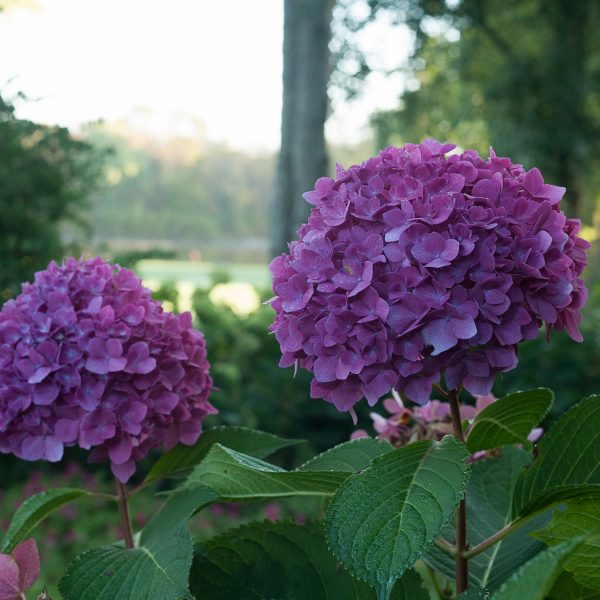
(125, 518)
(462, 564)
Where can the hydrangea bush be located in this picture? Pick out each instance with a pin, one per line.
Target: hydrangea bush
(418, 273)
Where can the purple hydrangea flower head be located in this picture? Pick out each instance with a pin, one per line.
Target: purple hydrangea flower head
(89, 359)
(416, 265)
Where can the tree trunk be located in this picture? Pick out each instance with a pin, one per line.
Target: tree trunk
(303, 157)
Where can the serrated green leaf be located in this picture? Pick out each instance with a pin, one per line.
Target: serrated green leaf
(509, 420)
(285, 561)
(157, 570)
(489, 497)
(348, 457)
(236, 476)
(566, 588)
(248, 441)
(534, 580)
(568, 462)
(111, 572)
(582, 516)
(385, 518)
(34, 510)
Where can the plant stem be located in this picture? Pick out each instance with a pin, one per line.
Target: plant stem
(435, 582)
(125, 518)
(440, 390)
(104, 496)
(446, 547)
(462, 564)
(507, 530)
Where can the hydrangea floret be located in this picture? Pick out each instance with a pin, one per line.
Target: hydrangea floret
(89, 359)
(416, 264)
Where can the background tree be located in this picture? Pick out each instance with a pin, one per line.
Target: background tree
(45, 178)
(521, 74)
(306, 69)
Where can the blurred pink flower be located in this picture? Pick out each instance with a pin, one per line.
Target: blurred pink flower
(434, 411)
(272, 511)
(432, 421)
(19, 570)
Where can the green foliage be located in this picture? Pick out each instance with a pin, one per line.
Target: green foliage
(385, 518)
(129, 259)
(158, 568)
(348, 457)
(567, 464)
(281, 560)
(566, 588)
(110, 572)
(386, 508)
(253, 389)
(168, 293)
(582, 516)
(482, 74)
(237, 476)
(509, 420)
(570, 369)
(535, 578)
(45, 178)
(474, 594)
(489, 500)
(34, 510)
(75, 526)
(176, 510)
(248, 441)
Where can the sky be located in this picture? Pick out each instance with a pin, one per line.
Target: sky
(218, 61)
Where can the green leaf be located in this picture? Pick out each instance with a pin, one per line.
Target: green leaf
(34, 510)
(509, 420)
(489, 498)
(248, 441)
(236, 476)
(566, 588)
(534, 580)
(383, 519)
(285, 561)
(176, 510)
(582, 516)
(157, 570)
(408, 587)
(474, 594)
(348, 457)
(568, 462)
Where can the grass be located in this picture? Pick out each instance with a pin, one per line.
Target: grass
(200, 273)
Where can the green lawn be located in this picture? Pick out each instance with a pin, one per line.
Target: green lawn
(199, 273)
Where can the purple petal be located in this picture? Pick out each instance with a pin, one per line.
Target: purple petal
(45, 393)
(439, 334)
(324, 368)
(124, 471)
(120, 453)
(464, 329)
